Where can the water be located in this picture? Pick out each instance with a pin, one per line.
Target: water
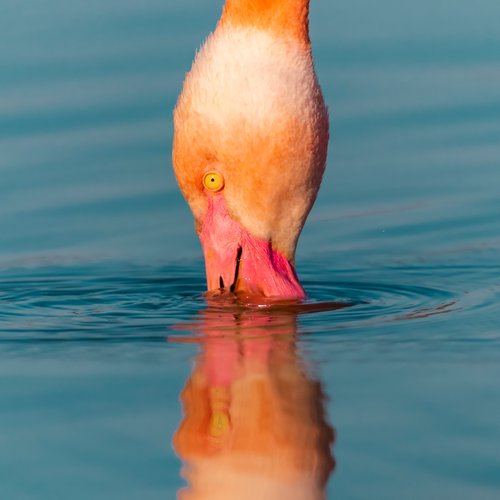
(103, 321)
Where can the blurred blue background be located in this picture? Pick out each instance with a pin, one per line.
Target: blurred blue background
(99, 260)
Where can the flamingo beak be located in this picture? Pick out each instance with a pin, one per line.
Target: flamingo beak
(239, 262)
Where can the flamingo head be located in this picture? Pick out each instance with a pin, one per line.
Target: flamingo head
(250, 145)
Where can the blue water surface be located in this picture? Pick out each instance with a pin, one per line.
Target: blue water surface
(104, 327)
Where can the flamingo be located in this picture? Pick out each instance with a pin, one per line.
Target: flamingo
(250, 145)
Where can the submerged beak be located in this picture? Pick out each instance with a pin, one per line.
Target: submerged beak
(238, 262)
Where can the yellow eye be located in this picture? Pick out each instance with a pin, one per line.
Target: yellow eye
(213, 181)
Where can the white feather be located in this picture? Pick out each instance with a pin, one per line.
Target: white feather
(248, 76)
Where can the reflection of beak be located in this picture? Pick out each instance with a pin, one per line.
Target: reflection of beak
(237, 261)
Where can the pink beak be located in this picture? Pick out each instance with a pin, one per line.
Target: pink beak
(237, 261)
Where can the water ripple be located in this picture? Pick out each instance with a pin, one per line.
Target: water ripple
(86, 304)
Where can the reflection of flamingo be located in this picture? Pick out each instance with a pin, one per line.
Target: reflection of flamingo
(254, 424)
(250, 144)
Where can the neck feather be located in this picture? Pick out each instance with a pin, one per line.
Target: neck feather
(285, 17)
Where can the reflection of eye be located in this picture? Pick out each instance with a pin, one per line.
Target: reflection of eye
(213, 181)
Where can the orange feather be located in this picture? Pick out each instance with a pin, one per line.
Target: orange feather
(283, 16)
